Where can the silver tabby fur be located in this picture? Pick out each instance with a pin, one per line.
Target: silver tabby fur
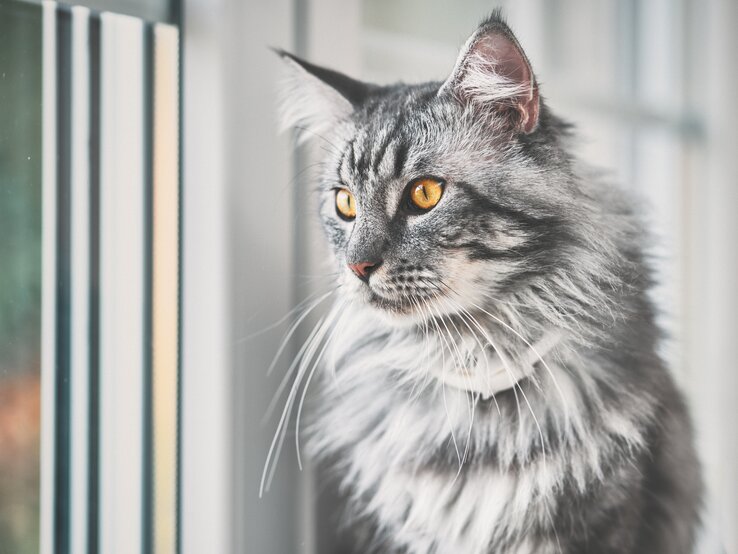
(592, 452)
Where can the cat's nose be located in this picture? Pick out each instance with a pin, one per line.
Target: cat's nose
(363, 269)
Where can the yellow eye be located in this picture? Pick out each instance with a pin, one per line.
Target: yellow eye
(425, 193)
(345, 204)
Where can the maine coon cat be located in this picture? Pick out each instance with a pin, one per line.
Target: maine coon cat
(489, 370)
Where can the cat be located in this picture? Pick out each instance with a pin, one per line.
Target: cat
(489, 374)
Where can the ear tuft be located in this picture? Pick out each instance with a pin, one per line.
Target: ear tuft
(493, 73)
(313, 99)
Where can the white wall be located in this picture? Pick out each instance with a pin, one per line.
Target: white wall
(237, 276)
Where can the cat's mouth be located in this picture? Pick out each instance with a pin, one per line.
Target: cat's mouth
(400, 304)
(395, 305)
(412, 296)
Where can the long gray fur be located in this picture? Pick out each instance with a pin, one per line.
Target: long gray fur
(593, 453)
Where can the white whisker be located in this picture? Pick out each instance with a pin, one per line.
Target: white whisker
(278, 440)
(293, 328)
(443, 388)
(540, 358)
(286, 378)
(471, 402)
(307, 384)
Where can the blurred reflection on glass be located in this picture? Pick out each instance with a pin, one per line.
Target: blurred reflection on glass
(20, 274)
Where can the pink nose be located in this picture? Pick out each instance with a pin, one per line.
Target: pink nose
(363, 269)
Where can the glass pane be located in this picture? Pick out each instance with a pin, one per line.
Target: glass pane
(404, 39)
(150, 10)
(20, 274)
(660, 57)
(658, 177)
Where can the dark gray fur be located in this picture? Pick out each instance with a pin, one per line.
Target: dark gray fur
(578, 264)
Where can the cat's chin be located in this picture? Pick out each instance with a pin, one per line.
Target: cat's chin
(397, 312)
(405, 317)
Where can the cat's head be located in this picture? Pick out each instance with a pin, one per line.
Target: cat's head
(438, 196)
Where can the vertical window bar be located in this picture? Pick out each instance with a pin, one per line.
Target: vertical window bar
(122, 282)
(48, 315)
(63, 281)
(165, 293)
(629, 14)
(93, 490)
(80, 274)
(180, 289)
(147, 521)
(110, 292)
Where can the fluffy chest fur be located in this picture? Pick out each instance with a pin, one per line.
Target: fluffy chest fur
(438, 469)
(430, 511)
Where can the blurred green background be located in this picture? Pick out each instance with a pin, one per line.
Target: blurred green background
(20, 274)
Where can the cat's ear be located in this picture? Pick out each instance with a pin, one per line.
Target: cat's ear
(313, 99)
(493, 73)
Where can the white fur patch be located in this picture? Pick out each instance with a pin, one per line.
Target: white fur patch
(309, 105)
(386, 416)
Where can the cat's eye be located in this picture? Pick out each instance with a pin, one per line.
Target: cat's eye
(345, 204)
(425, 193)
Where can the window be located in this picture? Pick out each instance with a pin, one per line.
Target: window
(89, 310)
(20, 276)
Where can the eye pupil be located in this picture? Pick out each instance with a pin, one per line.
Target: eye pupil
(425, 193)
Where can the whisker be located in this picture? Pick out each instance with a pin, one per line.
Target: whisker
(281, 430)
(525, 397)
(278, 440)
(443, 388)
(290, 369)
(302, 128)
(423, 306)
(280, 321)
(530, 346)
(503, 359)
(533, 349)
(412, 397)
(463, 314)
(470, 402)
(293, 328)
(307, 384)
(294, 180)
